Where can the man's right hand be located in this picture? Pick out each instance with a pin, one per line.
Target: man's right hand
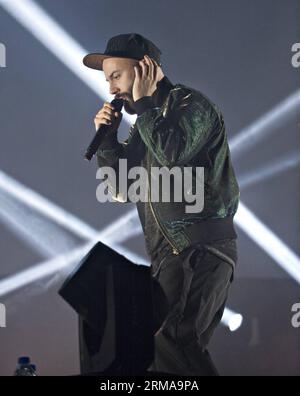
(108, 116)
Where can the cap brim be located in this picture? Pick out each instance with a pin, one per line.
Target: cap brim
(95, 60)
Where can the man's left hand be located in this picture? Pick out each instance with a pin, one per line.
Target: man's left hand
(145, 78)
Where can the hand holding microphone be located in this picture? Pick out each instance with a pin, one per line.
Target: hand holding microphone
(106, 122)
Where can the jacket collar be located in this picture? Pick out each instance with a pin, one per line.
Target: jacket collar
(163, 88)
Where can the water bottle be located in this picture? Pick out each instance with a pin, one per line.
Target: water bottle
(25, 368)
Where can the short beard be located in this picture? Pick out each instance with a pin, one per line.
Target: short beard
(129, 108)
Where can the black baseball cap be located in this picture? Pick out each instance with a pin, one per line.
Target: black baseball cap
(130, 45)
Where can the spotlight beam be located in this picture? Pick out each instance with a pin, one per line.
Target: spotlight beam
(45, 29)
(45, 237)
(62, 217)
(266, 124)
(270, 170)
(268, 241)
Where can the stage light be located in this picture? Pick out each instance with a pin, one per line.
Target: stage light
(232, 319)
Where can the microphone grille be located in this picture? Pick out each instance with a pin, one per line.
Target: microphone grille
(118, 104)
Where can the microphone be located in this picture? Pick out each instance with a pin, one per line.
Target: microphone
(102, 132)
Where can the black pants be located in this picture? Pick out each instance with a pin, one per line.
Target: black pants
(196, 284)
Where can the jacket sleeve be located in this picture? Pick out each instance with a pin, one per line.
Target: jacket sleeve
(175, 132)
(108, 155)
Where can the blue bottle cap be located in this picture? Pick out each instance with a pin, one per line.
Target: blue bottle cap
(24, 360)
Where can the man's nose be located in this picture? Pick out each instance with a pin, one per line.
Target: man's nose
(113, 90)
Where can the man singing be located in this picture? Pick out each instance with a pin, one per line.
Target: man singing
(193, 255)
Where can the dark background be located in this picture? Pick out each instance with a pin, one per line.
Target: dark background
(236, 52)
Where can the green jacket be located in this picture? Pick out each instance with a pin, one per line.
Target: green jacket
(182, 127)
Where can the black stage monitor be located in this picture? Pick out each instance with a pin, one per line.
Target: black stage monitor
(113, 298)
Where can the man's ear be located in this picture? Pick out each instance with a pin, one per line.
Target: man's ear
(137, 64)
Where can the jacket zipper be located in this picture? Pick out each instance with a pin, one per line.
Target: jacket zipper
(175, 250)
